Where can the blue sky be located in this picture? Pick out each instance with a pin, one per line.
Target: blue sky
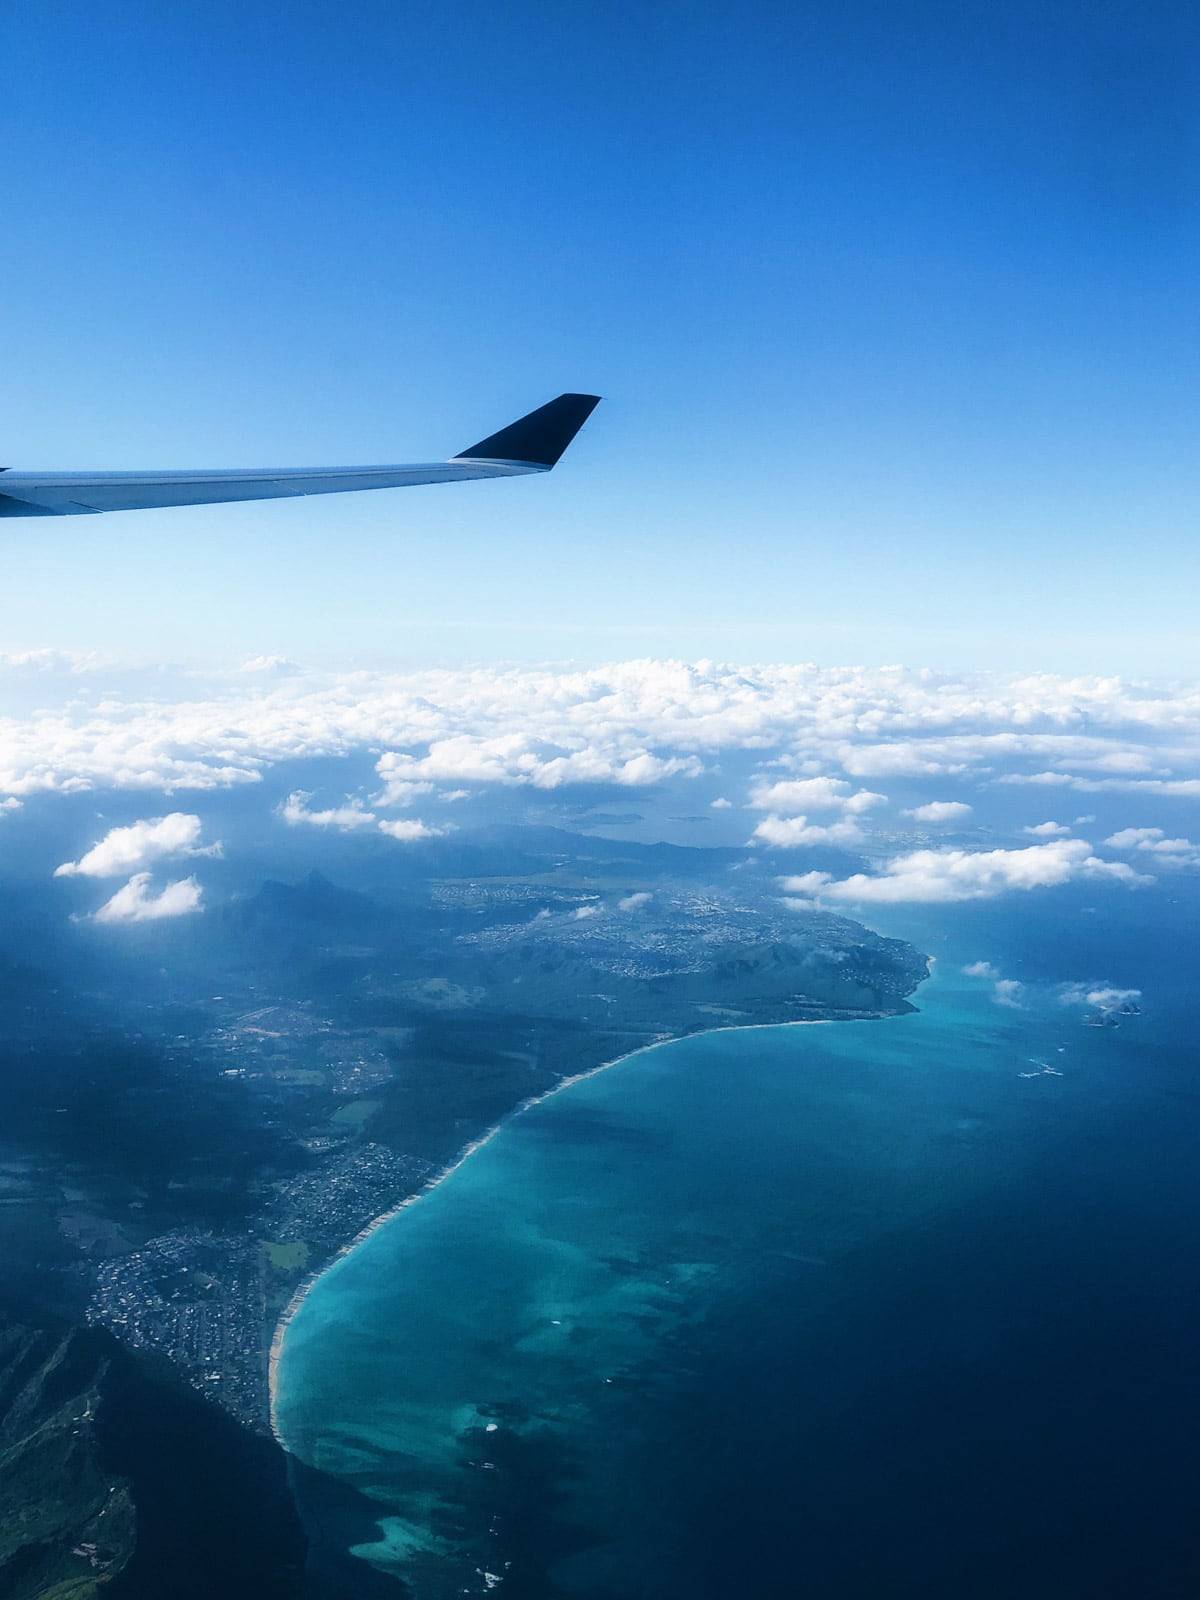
(893, 307)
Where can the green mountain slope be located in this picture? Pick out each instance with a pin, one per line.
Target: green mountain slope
(66, 1525)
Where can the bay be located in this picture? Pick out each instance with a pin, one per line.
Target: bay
(857, 1308)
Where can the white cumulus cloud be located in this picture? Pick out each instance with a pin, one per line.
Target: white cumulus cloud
(1153, 839)
(1154, 842)
(1046, 830)
(813, 794)
(634, 902)
(276, 664)
(786, 833)
(295, 811)
(1134, 838)
(139, 844)
(409, 830)
(1102, 997)
(945, 876)
(135, 902)
(940, 811)
(516, 758)
(1008, 992)
(805, 883)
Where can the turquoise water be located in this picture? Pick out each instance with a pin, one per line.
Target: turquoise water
(837, 1310)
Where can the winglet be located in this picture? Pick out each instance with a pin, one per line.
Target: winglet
(540, 438)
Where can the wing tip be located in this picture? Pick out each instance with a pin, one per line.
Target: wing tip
(540, 438)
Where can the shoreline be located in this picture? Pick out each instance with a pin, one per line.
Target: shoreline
(304, 1288)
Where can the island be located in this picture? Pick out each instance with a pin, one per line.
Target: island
(186, 1150)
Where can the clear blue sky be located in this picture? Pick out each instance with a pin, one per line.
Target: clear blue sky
(894, 307)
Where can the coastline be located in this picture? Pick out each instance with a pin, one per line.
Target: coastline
(308, 1283)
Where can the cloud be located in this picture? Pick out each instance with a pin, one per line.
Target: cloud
(1008, 992)
(813, 794)
(1117, 871)
(1183, 788)
(947, 876)
(1101, 998)
(410, 830)
(46, 662)
(345, 819)
(1146, 839)
(10, 805)
(1046, 830)
(518, 759)
(1045, 780)
(582, 913)
(353, 817)
(721, 804)
(940, 811)
(634, 902)
(980, 750)
(645, 768)
(131, 848)
(1132, 838)
(134, 903)
(805, 883)
(271, 664)
(1154, 842)
(407, 791)
(786, 833)
(892, 761)
(631, 724)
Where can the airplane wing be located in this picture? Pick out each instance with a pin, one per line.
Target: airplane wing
(534, 444)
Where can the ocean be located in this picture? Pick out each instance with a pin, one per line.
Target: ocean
(900, 1307)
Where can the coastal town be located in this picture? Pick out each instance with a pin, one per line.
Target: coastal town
(208, 1300)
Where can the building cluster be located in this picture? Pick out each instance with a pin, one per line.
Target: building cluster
(208, 1300)
(329, 1204)
(196, 1297)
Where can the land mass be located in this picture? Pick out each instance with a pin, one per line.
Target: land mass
(188, 1142)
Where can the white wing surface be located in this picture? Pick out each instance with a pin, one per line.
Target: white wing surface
(534, 444)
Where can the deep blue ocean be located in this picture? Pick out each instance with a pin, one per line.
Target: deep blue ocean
(858, 1309)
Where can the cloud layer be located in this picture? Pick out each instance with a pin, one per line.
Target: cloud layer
(631, 723)
(818, 748)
